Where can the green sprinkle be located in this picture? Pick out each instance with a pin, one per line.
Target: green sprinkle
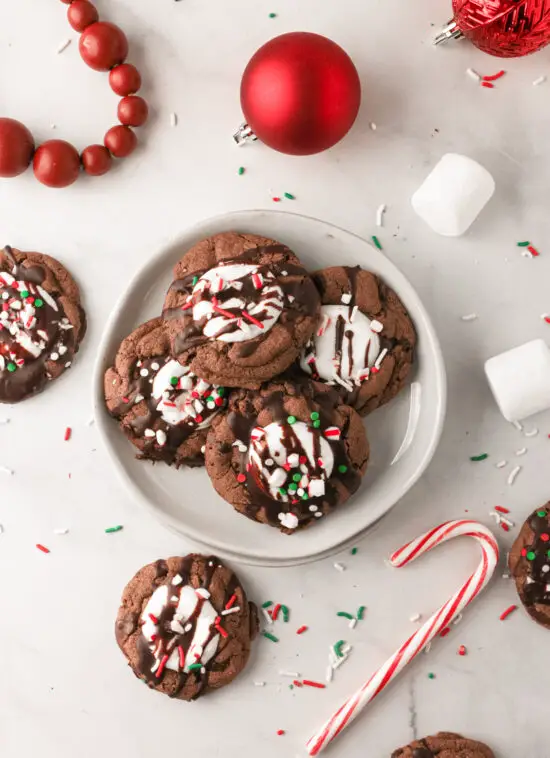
(285, 612)
(272, 15)
(291, 419)
(317, 424)
(354, 550)
(11, 367)
(267, 603)
(38, 302)
(112, 529)
(174, 380)
(241, 170)
(541, 514)
(531, 555)
(524, 244)
(314, 416)
(296, 477)
(270, 636)
(289, 196)
(338, 648)
(292, 487)
(282, 491)
(305, 496)
(345, 615)
(376, 242)
(548, 553)
(481, 457)
(194, 667)
(195, 280)
(221, 391)
(342, 469)
(431, 675)
(210, 399)
(290, 686)
(24, 293)
(361, 612)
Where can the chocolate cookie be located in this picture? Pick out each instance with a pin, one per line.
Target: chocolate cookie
(162, 407)
(288, 453)
(530, 565)
(185, 625)
(240, 310)
(364, 344)
(41, 322)
(444, 745)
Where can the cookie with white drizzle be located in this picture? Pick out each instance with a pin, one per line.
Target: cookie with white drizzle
(185, 625)
(41, 322)
(287, 454)
(365, 342)
(162, 406)
(240, 309)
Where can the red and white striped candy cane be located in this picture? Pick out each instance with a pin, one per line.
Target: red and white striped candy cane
(432, 628)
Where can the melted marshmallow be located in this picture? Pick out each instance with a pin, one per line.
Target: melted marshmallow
(181, 405)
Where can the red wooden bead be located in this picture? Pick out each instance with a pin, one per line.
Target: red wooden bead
(16, 147)
(125, 79)
(81, 13)
(56, 163)
(96, 160)
(121, 141)
(132, 111)
(103, 45)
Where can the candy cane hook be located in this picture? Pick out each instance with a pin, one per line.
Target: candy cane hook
(432, 628)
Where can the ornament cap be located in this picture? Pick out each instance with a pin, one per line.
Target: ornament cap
(244, 134)
(449, 31)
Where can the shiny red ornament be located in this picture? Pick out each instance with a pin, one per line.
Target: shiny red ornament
(132, 111)
(300, 93)
(82, 14)
(16, 148)
(504, 28)
(120, 141)
(103, 45)
(56, 163)
(125, 79)
(96, 160)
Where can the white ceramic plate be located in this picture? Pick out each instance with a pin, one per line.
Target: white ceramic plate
(403, 435)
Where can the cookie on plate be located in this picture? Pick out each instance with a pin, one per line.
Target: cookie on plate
(161, 406)
(529, 563)
(240, 309)
(288, 453)
(365, 341)
(41, 323)
(444, 745)
(185, 625)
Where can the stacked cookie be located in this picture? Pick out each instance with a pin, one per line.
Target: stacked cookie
(262, 372)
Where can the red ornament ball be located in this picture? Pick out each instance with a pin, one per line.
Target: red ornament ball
(132, 111)
(82, 14)
(120, 141)
(300, 93)
(16, 148)
(96, 160)
(103, 45)
(56, 163)
(125, 79)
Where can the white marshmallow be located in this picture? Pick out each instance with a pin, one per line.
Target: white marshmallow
(453, 195)
(520, 380)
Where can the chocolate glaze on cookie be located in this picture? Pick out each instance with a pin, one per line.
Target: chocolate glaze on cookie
(240, 309)
(530, 565)
(185, 625)
(163, 408)
(41, 323)
(364, 345)
(288, 453)
(444, 745)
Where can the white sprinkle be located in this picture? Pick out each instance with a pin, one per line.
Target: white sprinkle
(54, 356)
(149, 433)
(518, 426)
(63, 530)
(381, 357)
(63, 46)
(380, 215)
(346, 298)
(372, 126)
(458, 619)
(376, 326)
(161, 437)
(501, 464)
(513, 473)
(291, 674)
(267, 617)
(540, 80)
(175, 626)
(188, 627)
(4, 470)
(341, 660)
(545, 569)
(469, 317)
(506, 521)
(202, 592)
(353, 313)
(473, 74)
(4, 421)
(90, 421)
(521, 451)
(531, 433)
(53, 126)
(428, 648)
(259, 684)
(339, 566)
(144, 372)
(415, 617)
(506, 576)
(173, 119)
(352, 624)
(177, 580)
(329, 674)
(230, 610)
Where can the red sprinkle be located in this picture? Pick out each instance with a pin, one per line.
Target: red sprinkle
(500, 509)
(533, 251)
(309, 683)
(125, 399)
(301, 630)
(68, 432)
(230, 602)
(276, 199)
(241, 478)
(507, 612)
(154, 619)
(222, 631)
(547, 319)
(504, 526)
(280, 732)
(494, 77)
(487, 84)
(461, 650)
(182, 656)
(160, 669)
(275, 613)
(44, 549)
(227, 314)
(445, 632)
(296, 683)
(545, 537)
(186, 306)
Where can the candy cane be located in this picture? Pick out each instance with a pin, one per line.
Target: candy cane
(432, 628)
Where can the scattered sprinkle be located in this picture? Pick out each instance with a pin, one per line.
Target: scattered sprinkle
(523, 244)
(513, 474)
(259, 684)
(276, 199)
(309, 683)
(415, 617)
(457, 620)
(289, 196)
(531, 432)
(361, 612)
(112, 529)
(380, 214)
(267, 603)
(488, 85)
(63, 46)
(481, 457)
(354, 550)
(473, 74)
(462, 650)
(540, 80)
(291, 674)
(68, 432)
(337, 647)
(376, 241)
(274, 15)
(4, 421)
(501, 464)
(521, 451)
(517, 425)
(241, 170)
(372, 126)
(345, 615)
(301, 630)
(494, 77)
(545, 317)
(431, 675)
(270, 636)
(507, 612)
(43, 548)
(500, 509)
(280, 731)
(267, 616)
(173, 119)
(5, 470)
(339, 566)
(469, 317)
(63, 530)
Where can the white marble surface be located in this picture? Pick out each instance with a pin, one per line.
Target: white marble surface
(64, 689)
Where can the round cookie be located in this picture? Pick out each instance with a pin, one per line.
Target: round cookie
(288, 453)
(529, 563)
(444, 745)
(240, 309)
(185, 625)
(365, 341)
(161, 406)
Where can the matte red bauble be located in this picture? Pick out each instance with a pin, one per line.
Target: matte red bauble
(132, 111)
(300, 94)
(96, 160)
(56, 163)
(505, 28)
(125, 79)
(82, 14)
(16, 148)
(103, 45)
(120, 141)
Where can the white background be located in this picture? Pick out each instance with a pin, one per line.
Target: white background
(64, 687)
